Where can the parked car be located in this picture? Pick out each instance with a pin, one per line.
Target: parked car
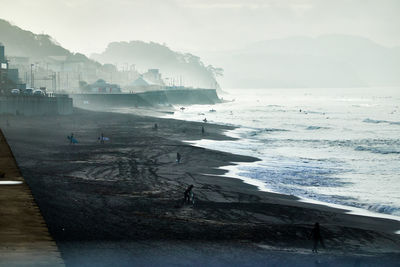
(28, 91)
(38, 92)
(15, 91)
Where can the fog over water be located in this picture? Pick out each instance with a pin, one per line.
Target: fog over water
(335, 145)
(259, 43)
(89, 25)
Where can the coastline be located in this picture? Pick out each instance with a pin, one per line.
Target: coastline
(132, 185)
(233, 170)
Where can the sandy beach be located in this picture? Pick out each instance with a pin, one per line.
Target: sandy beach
(122, 200)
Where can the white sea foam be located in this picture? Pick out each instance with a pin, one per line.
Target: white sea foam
(331, 153)
(10, 182)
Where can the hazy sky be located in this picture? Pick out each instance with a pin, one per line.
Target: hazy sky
(201, 25)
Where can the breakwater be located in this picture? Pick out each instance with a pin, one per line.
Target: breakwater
(148, 99)
(35, 105)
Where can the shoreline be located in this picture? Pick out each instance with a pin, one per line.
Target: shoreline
(262, 186)
(132, 186)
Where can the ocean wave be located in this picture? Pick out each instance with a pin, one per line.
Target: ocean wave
(268, 130)
(368, 120)
(316, 127)
(377, 150)
(273, 106)
(300, 174)
(386, 209)
(274, 130)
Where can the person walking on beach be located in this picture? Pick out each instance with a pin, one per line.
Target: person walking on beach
(155, 127)
(102, 138)
(178, 157)
(317, 238)
(188, 196)
(71, 138)
(202, 130)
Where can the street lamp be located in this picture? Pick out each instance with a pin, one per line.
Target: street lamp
(32, 78)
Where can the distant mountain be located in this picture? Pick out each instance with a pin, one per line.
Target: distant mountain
(45, 52)
(326, 61)
(178, 68)
(24, 43)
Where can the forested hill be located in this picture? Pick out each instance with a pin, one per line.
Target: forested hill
(178, 68)
(24, 43)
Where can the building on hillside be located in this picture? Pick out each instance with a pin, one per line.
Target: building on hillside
(13, 75)
(2, 54)
(101, 86)
(5, 82)
(154, 76)
(142, 84)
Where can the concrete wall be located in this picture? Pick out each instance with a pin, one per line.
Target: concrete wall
(151, 98)
(108, 100)
(35, 105)
(190, 97)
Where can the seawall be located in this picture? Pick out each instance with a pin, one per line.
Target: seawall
(148, 99)
(35, 105)
(24, 237)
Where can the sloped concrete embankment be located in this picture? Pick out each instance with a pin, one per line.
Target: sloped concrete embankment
(148, 99)
(24, 236)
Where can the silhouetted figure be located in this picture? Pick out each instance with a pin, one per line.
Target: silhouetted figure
(316, 237)
(102, 138)
(188, 196)
(155, 127)
(178, 157)
(202, 130)
(71, 139)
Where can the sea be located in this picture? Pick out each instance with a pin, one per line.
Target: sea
(333, 146)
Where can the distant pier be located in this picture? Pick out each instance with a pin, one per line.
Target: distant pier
(24, 237)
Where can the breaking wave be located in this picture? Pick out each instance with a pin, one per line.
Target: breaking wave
(378, 150)
(316, 127)
(381, 121)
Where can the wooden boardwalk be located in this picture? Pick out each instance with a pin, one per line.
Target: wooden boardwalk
(24, 237)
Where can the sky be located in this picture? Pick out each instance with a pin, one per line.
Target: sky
(87, 26)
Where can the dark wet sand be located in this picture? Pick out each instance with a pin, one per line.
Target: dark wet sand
(124, 198)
